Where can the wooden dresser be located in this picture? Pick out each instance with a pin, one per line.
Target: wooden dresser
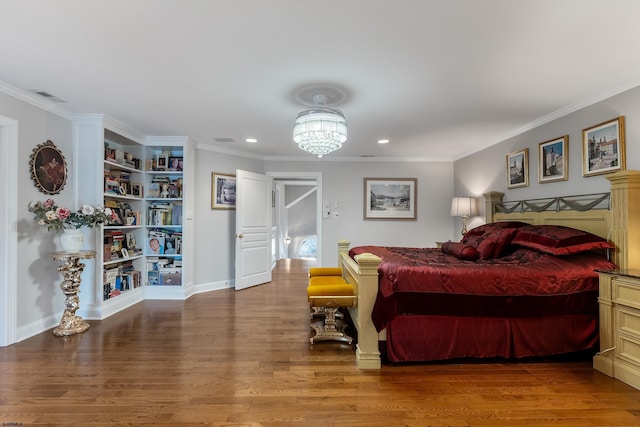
(619, 302)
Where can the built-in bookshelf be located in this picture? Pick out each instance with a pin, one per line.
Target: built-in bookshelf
(164, 215)
(122, 251)
(141, 179)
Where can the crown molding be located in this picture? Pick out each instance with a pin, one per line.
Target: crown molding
(35, 100)
(562, 112)
(359, 159)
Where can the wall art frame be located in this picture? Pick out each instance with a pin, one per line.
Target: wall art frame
(223, 191)
(553, 160)
(518, 169)
(390, 198)
(603, 148)
(48, 168)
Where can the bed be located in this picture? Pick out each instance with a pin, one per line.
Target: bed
(491, 307)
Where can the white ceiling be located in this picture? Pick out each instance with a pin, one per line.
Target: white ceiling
(440, 79)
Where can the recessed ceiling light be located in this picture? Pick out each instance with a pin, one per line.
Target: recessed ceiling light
(383, 141)
(251, 140)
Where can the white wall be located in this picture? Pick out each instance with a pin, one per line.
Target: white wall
(486, 170)
(214, 245)
(39, 299)
(344, 182)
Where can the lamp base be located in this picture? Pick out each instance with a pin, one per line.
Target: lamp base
(464, 225)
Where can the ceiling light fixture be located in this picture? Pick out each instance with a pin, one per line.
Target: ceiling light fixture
(320, 130)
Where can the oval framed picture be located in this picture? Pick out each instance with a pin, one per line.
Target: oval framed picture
(48, 168)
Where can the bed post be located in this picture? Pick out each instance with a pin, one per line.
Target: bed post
(625, 218)
(367, 350)
(363, 274)
(490, 199)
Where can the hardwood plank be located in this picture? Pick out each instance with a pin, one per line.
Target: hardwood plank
(229, 358)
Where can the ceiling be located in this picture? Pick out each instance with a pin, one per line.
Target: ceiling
(440, 79)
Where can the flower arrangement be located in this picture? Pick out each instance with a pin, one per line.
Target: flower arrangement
(49, 214)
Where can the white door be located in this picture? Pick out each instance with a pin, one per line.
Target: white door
(253, 229)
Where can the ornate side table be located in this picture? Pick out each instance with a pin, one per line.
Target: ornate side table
(70, 324)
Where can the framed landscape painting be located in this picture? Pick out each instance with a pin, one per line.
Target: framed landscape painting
(603, 148)
(553, 160)
(390, 198)
(223, 191)
(518, 169)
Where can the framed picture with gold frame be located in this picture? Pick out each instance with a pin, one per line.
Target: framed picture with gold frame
(553, 160)
(603, 149)
(518, 169)
(48, 168)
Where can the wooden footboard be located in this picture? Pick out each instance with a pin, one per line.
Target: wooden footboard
(363, 274)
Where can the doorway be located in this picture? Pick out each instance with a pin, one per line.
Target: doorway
(297, 221)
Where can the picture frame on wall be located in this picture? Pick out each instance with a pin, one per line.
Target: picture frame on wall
(603, 148)
(518, 169)
(48, 168)
(223, 191)
(553, 160)
(390, 198)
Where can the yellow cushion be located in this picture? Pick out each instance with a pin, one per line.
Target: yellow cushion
(325, 271)
(323, 290)
(326, 280)
(342, 295)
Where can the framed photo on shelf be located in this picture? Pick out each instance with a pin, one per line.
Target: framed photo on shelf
(175, 164)
(390, 198)
(603, 148)
(48, 168)
(162, 162)
(125, 252)
(155, 245)
(223, 191)
(518, 169)
(553, 160)
(136, 189)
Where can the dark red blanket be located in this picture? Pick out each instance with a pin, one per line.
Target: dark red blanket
(526, 283)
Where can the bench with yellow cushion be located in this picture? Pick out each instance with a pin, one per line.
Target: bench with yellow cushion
(327, 292)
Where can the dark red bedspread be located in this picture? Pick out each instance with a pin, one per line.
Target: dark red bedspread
(526, 283)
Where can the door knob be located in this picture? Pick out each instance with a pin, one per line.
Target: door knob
(239, 236)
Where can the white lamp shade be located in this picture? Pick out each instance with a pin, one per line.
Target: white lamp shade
(464, 206)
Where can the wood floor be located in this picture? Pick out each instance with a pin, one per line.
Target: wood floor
(230, 358)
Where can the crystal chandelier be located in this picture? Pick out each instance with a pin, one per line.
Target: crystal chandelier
(320, 130)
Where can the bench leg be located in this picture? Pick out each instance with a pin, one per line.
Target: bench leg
(330, 330)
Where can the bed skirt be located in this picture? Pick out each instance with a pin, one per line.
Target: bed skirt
(454, 337)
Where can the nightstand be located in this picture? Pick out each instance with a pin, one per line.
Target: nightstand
(619, 302)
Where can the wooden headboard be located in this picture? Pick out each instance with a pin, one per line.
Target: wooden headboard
(590, 212)
(616, 218)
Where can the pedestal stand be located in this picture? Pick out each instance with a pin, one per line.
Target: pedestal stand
(70, 324)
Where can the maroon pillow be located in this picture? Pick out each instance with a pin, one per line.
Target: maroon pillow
(493, 227)
(487, 247)
(491, 244)
(558, 240)
(460, 250)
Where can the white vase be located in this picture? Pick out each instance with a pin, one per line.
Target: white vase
(71, 239)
